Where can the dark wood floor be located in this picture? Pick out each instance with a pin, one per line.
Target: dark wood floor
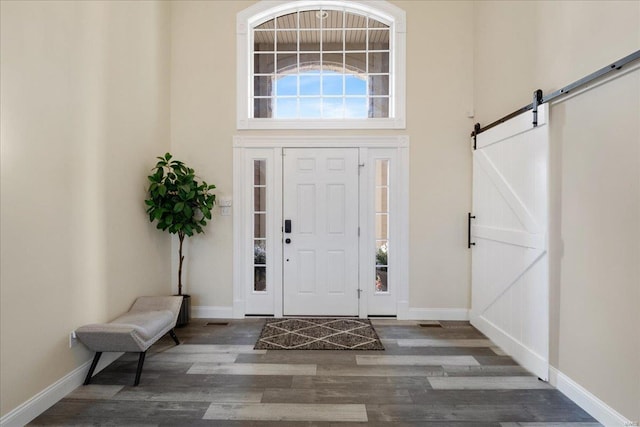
(448, 375)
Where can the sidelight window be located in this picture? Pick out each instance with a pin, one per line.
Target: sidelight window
(259, 226)
(382, 224)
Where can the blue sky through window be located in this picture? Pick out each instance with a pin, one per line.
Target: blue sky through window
(330, 95)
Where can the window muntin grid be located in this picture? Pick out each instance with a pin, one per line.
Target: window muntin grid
(382, 225)
(259, 226)
(321, 64)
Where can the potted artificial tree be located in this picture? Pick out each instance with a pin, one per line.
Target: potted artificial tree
(181, 205)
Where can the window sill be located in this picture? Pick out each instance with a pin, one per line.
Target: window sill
(390, 123)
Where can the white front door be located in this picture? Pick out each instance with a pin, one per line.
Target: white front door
(510, 273)
(320, 248)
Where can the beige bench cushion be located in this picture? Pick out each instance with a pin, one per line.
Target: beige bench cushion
(147, 324)
(147, 321)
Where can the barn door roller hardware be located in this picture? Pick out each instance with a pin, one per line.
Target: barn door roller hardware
(469, 242)
(539, 99)
(476, 131)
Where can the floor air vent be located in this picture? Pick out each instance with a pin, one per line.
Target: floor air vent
(216, 324)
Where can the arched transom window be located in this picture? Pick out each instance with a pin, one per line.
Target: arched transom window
(321, 64)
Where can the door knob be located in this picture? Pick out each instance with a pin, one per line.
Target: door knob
(287, 240)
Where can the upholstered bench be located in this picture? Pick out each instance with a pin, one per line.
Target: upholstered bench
(148, 320)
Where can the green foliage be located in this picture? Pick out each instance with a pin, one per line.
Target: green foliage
(381, 255)
(259, 255)
(177, 201)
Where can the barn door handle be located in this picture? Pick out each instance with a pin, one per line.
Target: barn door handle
(469, 218)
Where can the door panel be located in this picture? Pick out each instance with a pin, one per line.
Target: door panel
(510, 283)
(337, 273)
(320, 197)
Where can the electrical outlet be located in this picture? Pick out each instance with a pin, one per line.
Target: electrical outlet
(73, 339)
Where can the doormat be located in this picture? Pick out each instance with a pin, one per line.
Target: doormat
(318, 334)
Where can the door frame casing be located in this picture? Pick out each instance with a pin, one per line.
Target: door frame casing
(270, 148)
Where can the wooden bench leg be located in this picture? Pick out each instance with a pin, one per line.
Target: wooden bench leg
(139, 370)
(93, 367)
(175, 338)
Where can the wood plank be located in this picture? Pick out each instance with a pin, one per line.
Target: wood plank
(379, 371)
(473, 414)
(441, 342)
(393, 349)
(195, 357)
(95, 391)
(496, 360)
(361, 382)
(115, 412)
(287, 412)
(417, 360)
(214, 348)
(486, 371)
(189, 394)
(524, 397)
(487, 383)
(534, 424)
(292, 356)
(382, 395)
(252, 369)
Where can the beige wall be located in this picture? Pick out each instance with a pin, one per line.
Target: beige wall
(595, 176)
(84, 101)
(439, 96)
(203, 87)
(92, 91)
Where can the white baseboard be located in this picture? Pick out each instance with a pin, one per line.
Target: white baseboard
(404, 313)
(523, 355)
(211, 312)
(403, 310)
(42, 401)
(587, 401)
(436, 314)
(238, 309)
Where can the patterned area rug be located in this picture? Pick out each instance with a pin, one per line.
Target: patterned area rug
(318, 334)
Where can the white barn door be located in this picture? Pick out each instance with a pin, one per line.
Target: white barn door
(510, 273)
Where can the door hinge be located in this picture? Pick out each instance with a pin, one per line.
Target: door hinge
(359, 292)
(358, 231)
